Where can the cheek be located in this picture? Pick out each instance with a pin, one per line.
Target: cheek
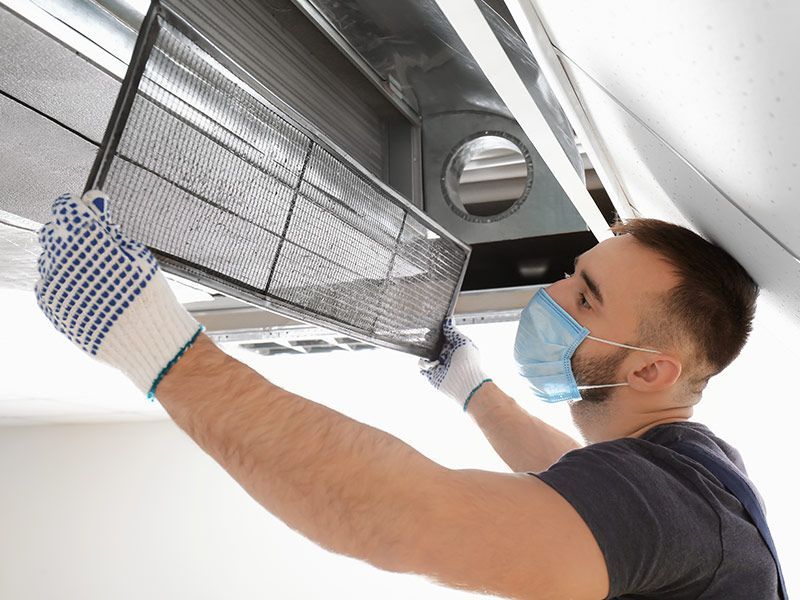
(584, 354)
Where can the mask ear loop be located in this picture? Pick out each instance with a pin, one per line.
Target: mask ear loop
(608, 385)
(605, 385)
(597, 339)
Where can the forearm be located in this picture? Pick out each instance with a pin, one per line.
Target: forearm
(523, 441)
(349, 487)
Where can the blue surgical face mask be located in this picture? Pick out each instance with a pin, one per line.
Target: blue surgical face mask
(547, 337)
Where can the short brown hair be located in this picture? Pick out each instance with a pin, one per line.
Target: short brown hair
(713, 304)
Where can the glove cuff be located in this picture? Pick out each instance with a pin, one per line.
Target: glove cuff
(474, 391)
(463, 380)
(150, 337)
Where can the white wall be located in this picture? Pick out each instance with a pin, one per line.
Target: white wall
(132, 511)
(135, 510)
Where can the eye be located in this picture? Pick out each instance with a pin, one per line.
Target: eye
(583, 302)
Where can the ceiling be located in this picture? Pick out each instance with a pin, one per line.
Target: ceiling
(691, 108)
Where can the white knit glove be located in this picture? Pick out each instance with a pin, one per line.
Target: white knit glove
(458, 372)
(106, 293)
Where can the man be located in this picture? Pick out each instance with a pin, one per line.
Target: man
(650, 315)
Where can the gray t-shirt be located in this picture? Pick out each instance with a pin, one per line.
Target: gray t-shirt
(666, 526)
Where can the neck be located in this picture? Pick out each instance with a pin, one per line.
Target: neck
(639, 431)
(625, 415)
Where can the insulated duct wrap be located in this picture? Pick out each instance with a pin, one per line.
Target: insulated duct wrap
(229, 188)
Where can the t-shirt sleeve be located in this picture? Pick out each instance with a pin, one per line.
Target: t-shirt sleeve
(656, 530)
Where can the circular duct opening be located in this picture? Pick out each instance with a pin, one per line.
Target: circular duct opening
(487, 176)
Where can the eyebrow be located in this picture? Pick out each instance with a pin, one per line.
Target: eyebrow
(590, 283)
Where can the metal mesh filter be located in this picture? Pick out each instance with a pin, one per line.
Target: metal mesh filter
(230, 188)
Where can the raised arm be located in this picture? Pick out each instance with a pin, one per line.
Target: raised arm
(332, 478)
(359, 491)
(524, 442)
(351, 488)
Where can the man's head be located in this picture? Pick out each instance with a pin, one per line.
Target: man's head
(660, 286)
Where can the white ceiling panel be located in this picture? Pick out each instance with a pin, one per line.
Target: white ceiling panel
(716, 80)
(662, 185)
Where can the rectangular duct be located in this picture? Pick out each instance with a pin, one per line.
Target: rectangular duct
(232, 189)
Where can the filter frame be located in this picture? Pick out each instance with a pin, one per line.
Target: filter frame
(145, 43)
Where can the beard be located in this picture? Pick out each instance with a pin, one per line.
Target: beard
(598, 371)
(593, 409)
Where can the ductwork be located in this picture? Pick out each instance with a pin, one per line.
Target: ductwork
(390, 83)
(420, 62)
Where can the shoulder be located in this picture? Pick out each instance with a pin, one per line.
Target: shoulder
(647, 509)
(647, 467)
(665, 435)
(634, 473)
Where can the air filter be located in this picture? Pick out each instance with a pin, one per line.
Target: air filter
(231, 188)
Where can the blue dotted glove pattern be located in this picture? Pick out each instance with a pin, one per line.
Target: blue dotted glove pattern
(436, 371)
(89, 272)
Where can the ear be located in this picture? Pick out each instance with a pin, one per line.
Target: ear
(658, 374)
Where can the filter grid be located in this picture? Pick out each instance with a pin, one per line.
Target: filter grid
(228, 189)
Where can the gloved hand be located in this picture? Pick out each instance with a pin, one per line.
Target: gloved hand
(458, 372)
(106, 293)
